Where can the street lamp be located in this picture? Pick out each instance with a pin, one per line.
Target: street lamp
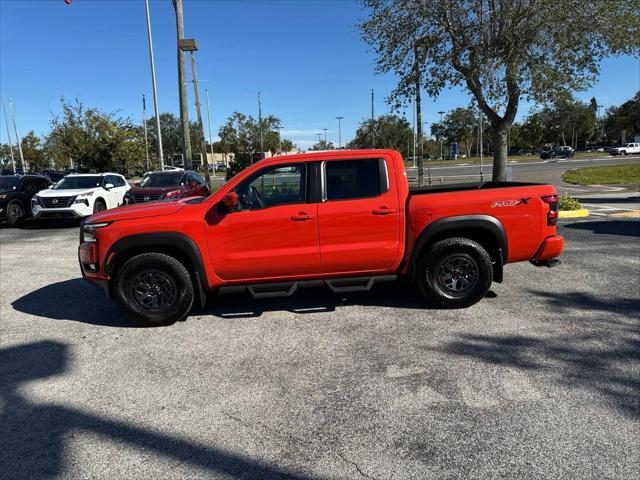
(189, 45)
(325, 135)
(440, 132)
(339, 131)
(155, 90)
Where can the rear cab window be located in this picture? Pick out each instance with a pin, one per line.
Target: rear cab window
(357, 178)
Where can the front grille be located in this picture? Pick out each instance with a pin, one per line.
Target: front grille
(56, 202)
(146, 197)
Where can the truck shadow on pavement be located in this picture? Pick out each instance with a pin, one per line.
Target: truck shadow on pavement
(34, 434)
(314, 300)
(79, 301)
(602, 357)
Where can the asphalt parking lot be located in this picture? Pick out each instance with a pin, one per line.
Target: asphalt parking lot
(539, 380)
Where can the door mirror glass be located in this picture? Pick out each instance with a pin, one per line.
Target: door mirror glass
(108, 186)
(230, 200)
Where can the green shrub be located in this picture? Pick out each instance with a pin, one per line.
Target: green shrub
(565, 202)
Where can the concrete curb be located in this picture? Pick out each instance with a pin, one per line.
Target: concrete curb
(583, 212)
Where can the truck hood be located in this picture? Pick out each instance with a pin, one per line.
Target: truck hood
(72, 192)
(140, 210)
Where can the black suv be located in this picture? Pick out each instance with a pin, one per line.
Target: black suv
(15, 195)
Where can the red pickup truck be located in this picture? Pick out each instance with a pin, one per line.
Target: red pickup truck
(344, 219)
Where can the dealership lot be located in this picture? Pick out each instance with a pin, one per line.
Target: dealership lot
(540, 380)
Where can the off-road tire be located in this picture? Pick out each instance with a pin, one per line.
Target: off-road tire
(147, 274)
(454, 263)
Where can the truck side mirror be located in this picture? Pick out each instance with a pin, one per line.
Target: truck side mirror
(230, 200)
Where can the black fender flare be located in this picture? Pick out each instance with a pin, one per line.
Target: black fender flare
(486, 223)
(180, 241)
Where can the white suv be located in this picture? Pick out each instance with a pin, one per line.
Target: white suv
(628, 149)
(80, 195)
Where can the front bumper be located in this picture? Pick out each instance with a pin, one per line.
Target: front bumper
(77, 210)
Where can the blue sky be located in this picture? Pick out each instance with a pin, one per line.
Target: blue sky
(305, 56)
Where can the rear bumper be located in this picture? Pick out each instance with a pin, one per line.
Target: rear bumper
(550, 248)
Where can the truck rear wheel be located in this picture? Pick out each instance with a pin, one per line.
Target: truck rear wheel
(154, 289)
(455, 273)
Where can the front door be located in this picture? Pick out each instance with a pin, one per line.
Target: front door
(274, 231)
(360, 217)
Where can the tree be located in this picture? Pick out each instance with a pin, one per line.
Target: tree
(392, 132)
(625, 117)
(241, 136)
(171, 130)
(501, 51)
(94, 141)
(460, 125)
(33, 152)
(322, 145)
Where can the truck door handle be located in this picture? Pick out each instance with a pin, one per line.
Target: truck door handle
(301, 217)
(383, 211)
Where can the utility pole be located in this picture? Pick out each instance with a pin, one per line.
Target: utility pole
(206, 91)
(6, 123)
(18, 141)
(422, 152)
(325, 135)
(182, 88)
(155, 91)
(373, 124)
(144, 122)
(260, 128)
(189, 45)
(280, 139)
(440, 132)
(339, 131)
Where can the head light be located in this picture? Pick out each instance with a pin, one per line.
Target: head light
(89, 231)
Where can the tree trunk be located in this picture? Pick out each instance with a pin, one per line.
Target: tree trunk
(500, 152)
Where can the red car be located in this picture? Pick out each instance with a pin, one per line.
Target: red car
(343, 219)
(170, 185)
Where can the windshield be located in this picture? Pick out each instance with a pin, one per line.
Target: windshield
(68, 183)
(9, 183)
(161, 179)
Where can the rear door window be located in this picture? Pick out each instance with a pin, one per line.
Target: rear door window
(362, 178)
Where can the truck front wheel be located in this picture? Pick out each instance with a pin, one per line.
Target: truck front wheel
(455, 273)
(154, 289)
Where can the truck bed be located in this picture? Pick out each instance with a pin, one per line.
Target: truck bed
(459, 187)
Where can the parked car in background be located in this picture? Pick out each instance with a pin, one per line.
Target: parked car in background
(52, 175)
(167, 185)
(16, 192)
(628, 149)
(558, 152)
(80, 195)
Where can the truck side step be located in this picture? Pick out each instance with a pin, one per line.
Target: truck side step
(286, 289)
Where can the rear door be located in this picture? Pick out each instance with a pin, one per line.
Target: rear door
(359, 217)
(274, 231)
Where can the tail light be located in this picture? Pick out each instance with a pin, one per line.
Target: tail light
(552, 215)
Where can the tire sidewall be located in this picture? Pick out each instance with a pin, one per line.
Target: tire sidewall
(170, 267)
(14, 221)
(99, 202)
(428, 270)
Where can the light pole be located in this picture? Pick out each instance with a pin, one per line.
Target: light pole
(325, 136)
(601, 124)
(373, 125)
(339, 131)
(319, 137)
(6, 123)
(440, 135)
(422, 151)
(481, 155)
(280, 139)
(260, 128)
(189, 45)
(155, 92)
(18, 141)
(146, 137)
(182, 88)
(206, 91)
